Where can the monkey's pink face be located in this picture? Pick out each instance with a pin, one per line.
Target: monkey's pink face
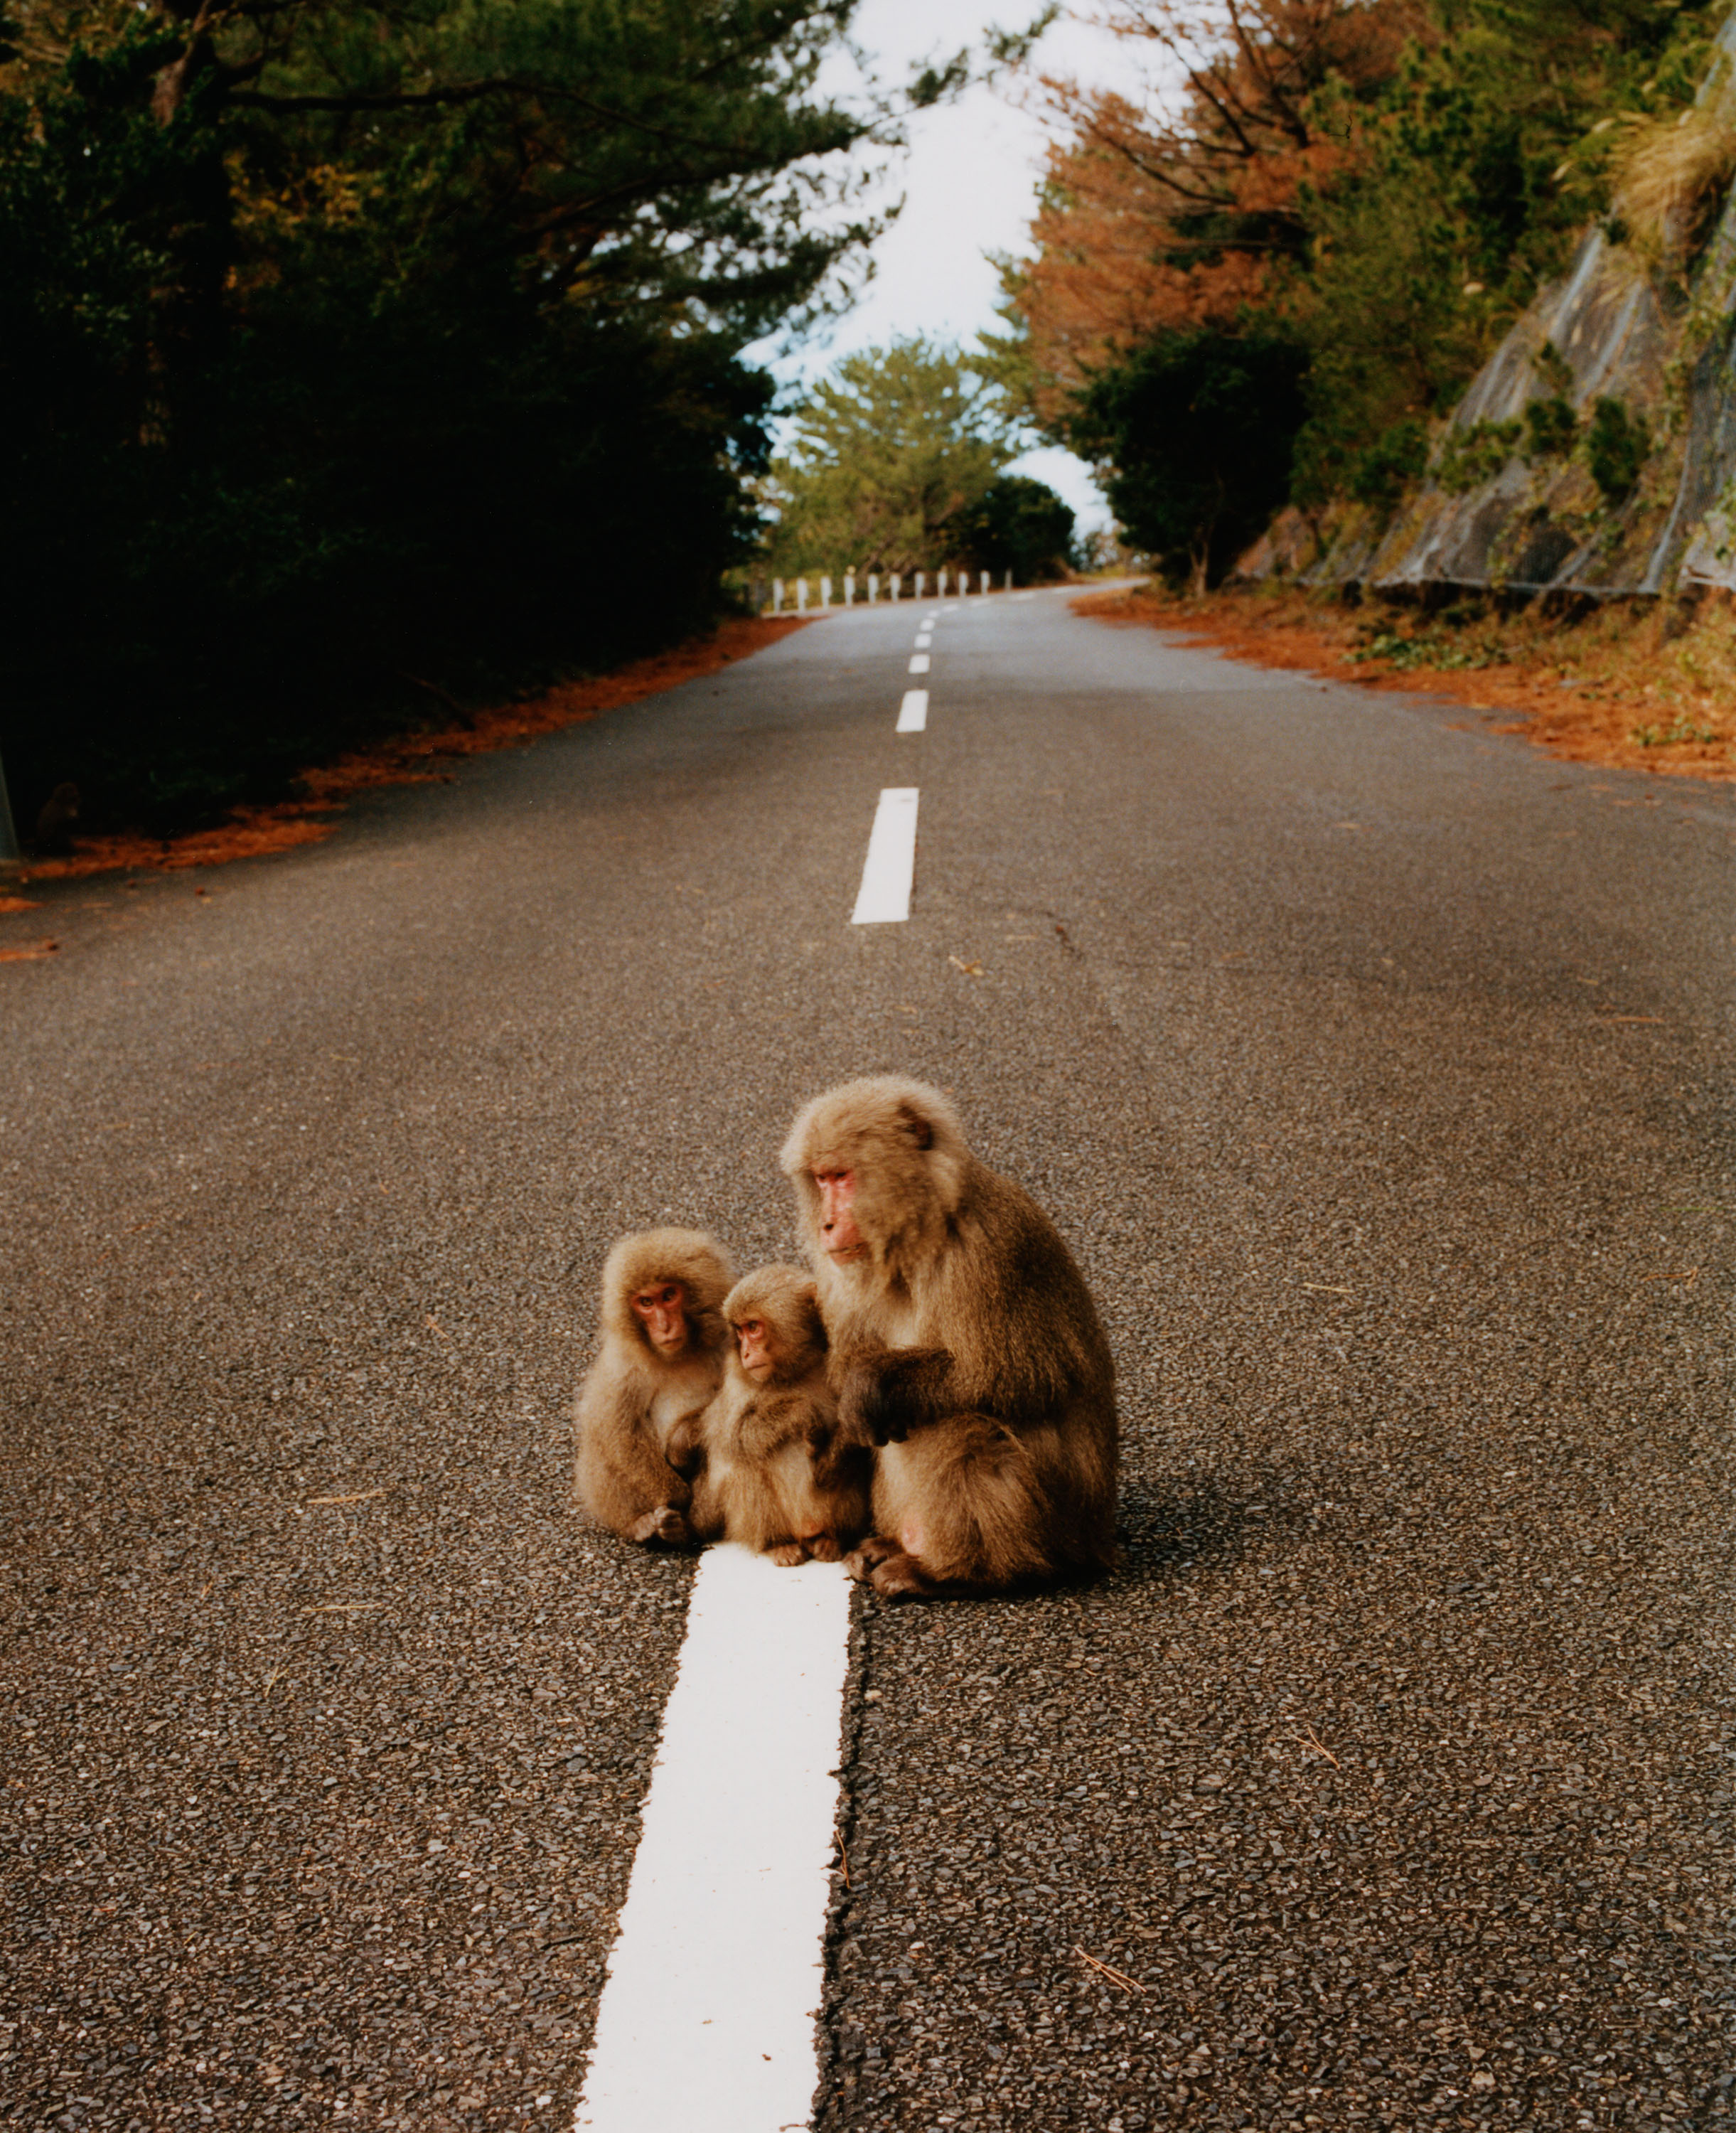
(753, 1342)
(838, 1233)
(662, 1310)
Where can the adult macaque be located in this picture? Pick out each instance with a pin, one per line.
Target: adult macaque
(776, 1477)
(662, 1360)
(963, 1340)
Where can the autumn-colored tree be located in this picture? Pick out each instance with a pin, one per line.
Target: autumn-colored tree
(1186, 209)
(1376, 185)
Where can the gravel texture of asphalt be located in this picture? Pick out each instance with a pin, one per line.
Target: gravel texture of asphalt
(1378, 1070)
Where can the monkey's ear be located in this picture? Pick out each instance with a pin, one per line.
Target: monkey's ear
(921, 1129)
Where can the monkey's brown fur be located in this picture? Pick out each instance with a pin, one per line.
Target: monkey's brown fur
(965, 1341)
(632, 1397)
(776, 1477)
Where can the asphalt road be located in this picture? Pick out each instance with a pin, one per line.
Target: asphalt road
(1379, 1072)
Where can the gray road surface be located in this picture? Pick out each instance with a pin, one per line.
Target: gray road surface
(1379, 1072)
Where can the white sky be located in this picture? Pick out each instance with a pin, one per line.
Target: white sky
(969, 185)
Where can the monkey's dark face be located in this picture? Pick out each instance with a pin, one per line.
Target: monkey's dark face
(753, 1344)
(839, 1237)
(661, 1310)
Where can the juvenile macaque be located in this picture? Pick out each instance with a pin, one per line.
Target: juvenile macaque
(963, 1340)
(662, 1360)
(775, 1477)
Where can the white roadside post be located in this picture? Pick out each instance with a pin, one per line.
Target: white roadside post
(941, 582)
(873, 587)
(777, 596)
(825, 592)
(985, 582)
(849, 589)
(801, 596)
(922, 578)
(1009, 581)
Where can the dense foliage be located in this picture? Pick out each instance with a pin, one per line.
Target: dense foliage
(1019, 525)
(1379, 185)
(356, 357)
(1195, 428)
(884, 457)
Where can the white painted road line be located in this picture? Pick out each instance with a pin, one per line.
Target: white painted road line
(707, 2019)
(913, 711)
(883, 898)
(924, 638)
(919, 663)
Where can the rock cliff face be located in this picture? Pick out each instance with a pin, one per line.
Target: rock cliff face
(1593, 454)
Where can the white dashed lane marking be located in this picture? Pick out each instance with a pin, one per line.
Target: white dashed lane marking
(707, 2019)
(913, 711)
(887, 871)
(919, 663)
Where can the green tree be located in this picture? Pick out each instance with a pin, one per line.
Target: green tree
(345, 344)
(1019, 525)
(1196, 431)
(885, 459)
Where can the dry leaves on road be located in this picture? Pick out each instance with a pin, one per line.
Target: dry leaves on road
(36, 952)
(1633, 685)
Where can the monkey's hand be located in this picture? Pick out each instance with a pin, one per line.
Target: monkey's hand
(770, 1421)
(836, 1460)
(887, 1395)
(685, 1449)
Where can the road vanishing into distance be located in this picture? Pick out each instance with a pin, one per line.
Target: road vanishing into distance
(1378, 1070)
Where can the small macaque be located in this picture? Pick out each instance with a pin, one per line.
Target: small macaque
(776, 1476)
(662, 1360)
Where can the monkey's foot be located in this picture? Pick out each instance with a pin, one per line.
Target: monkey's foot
(665, 1527)
(824, 1547)
(787, 1554)
(902, 1578)
(861, 1562)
